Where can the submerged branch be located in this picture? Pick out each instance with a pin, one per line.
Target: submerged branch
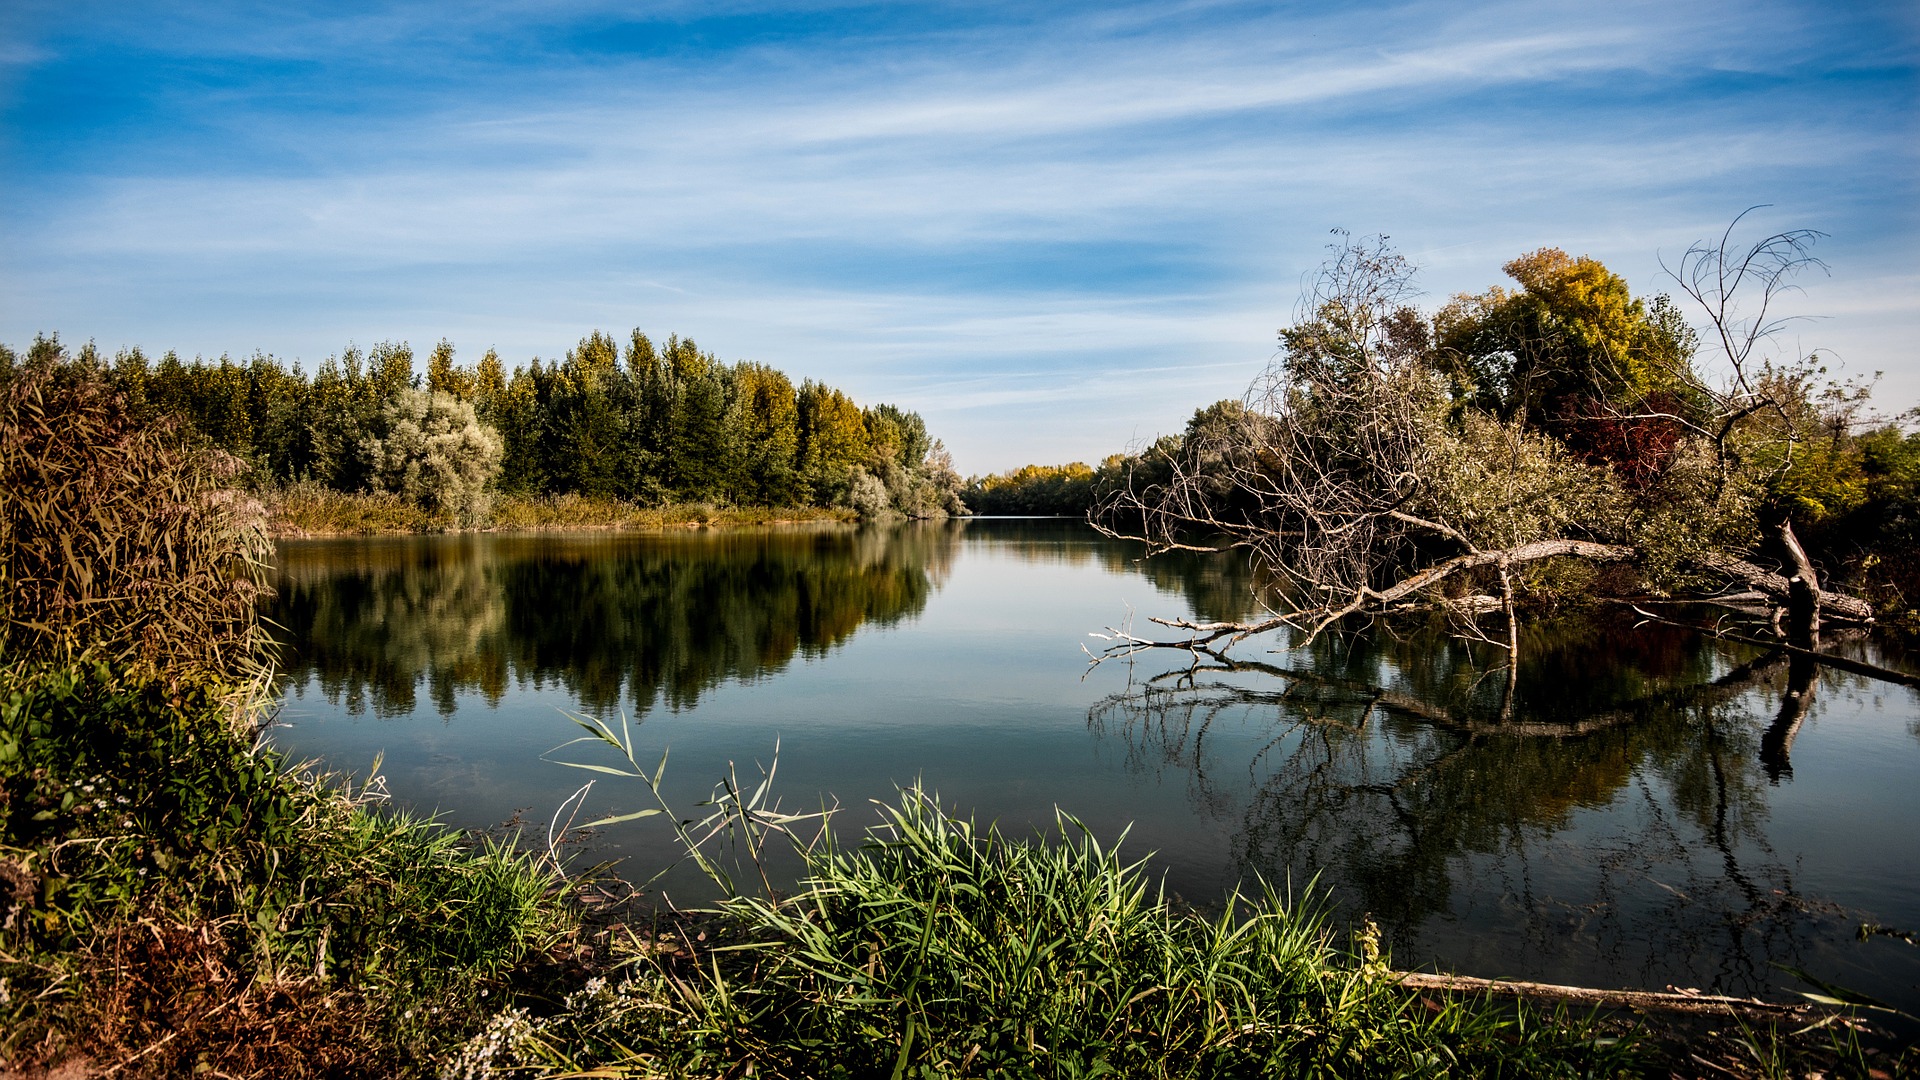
(1735, 682)
(1844, 663)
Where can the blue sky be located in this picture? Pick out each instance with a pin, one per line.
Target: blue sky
(1054, 230)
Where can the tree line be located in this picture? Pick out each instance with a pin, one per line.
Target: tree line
(646, 423)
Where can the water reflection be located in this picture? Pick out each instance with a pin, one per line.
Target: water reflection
(1214, 587)
(1619, 823)
(614, 619)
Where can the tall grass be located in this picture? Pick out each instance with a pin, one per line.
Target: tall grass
(313, 509)
(120, 542)
(584, 512)
(938, 947)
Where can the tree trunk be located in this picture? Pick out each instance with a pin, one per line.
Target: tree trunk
(1803, 594)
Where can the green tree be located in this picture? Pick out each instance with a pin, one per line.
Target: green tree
(445, 377)
(650, 427)
(701, 450)
(769, 425)
(520, 417)
(833, 439)
(489, 386)
(589, 414)
(390, 370)
(343, 410)
(282, 429)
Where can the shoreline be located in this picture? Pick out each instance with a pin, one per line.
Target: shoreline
(308, 513)
(278, 531)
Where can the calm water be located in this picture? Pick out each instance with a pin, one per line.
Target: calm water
(1644, 818)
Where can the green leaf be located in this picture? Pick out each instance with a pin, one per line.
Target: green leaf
(1834, 995)
(608, 769)
(618, 818)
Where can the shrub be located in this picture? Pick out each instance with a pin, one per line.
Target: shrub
(433, 450)
(868, 495)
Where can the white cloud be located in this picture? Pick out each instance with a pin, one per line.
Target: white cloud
(1114, 191)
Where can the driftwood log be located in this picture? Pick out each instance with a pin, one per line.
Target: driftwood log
(1682, 1001)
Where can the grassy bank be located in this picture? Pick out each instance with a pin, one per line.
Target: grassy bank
(313, 510)
(180, 900)
(940, 948)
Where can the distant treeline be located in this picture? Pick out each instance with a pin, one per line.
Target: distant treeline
(1074, 489)
(1068, 490)
(648, 424)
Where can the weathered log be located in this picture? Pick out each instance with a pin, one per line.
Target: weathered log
(1803, 593)
(1684, 1001)
(1775, 588)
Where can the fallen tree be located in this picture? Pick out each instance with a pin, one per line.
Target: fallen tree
(1511, 445)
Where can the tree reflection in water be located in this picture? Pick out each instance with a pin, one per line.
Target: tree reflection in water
(616, 619)
(1616, 829)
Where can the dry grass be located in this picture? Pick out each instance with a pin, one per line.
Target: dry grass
(582, 512)
(118, 541)
(169, 998)
(313, 510)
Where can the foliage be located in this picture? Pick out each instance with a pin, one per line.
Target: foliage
(125, 801)
(1569, 350)
(866, 493)
(940, 947)
(1501, 485)
(1069, 490)
(1800, 448)
(118, 542)
(1391, 460)
(431, 449)
(1886, 524)
(640, 423)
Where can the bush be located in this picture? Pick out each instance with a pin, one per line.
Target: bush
(434, 451)
(868, 495)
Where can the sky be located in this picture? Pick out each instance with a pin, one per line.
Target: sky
(1054, 230)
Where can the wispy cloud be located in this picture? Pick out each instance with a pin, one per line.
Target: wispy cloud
(982, 213)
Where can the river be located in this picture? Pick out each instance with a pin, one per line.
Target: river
(1646, 813)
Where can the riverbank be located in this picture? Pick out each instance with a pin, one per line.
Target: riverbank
(309, 510)
(186, 902)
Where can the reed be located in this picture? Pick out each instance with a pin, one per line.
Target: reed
(939, 947)
(312, 509)
(120, 541)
